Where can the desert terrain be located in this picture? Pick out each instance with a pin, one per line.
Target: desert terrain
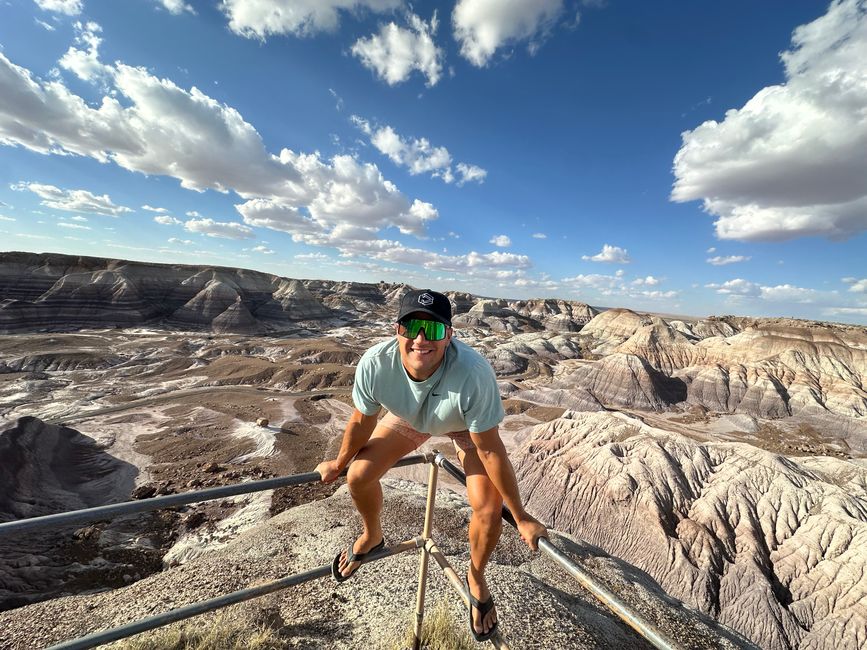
(712, 472)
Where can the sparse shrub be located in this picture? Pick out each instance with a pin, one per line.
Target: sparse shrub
(221, 633)
(440, 632)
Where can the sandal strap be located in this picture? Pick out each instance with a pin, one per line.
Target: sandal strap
(483, 607)
(351, 556)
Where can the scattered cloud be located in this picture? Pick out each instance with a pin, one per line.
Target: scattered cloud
(418, 155)
(313, 257)
(470, 173)
(175, 240)
(719, 260)
(79, 218)
(609, 254)
(337, 98)
(153, 209)
(85, 63)
(649, 281)
(165, 130)
(659, 295)
(72, 200)
(176, 7)
(846, 311)
(484, 26)
(223, 230)
(501, 240)
(605, 284)
(712, 249)
(856, 285)
(736, 287)
(263, 18)
(790, 162)
(167, 220)
(539, 235)
(5, 218)
(395, 52)
(262, 249)
(46, 26)
(779, 293)
(74, 226)
(68, 7)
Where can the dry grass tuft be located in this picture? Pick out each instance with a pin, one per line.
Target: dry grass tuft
(440, 632)
(221, 633)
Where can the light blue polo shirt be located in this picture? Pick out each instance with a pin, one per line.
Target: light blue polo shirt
(461, 395)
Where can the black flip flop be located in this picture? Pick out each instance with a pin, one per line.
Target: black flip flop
(484, 608)
(352, 557)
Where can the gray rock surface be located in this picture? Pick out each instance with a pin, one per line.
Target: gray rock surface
(538, 603)
(773, 547)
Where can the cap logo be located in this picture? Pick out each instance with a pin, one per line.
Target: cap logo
(425, 300)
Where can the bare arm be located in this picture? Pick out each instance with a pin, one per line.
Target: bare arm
(499, 468)
(358, 431)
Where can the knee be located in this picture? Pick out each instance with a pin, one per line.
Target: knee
(359, 476)
(490, 512)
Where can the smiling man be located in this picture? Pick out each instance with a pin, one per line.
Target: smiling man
(431, 385)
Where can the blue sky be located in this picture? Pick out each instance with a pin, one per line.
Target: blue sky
(679, 157)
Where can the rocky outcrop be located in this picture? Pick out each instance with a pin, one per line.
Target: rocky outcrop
(45, 469)
(770, 546)
(626, 381)
(60, 292)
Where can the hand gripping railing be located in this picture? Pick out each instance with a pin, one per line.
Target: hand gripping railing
(424, 542)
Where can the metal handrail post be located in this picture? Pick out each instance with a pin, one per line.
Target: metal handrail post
(194, 609)
(605, 596)
(423, 561)
(497, 639)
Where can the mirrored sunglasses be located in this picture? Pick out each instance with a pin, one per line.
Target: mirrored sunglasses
(433, 329)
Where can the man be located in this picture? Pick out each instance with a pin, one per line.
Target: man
(430, 384)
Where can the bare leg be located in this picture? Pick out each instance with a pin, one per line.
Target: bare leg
(378, 455)
(486, 525)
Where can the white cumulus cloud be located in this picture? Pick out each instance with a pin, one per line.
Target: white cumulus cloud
(224, 230)
(177, 7)
(167, 220)
(856, 285)
(85, 63)
(73, 200)
(395, 52)
(790, 162)
(539, 235)
(609, 254)
(68, 7)
(418, 155)
(166, 130)
(501, 240)
(263, 18)
(484, 26)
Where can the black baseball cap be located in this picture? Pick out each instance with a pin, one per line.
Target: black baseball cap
(427, 301)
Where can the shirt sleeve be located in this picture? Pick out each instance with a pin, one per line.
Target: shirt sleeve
(362, 388)
(481, 406)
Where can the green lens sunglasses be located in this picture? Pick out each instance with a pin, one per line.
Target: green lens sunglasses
(433, 329)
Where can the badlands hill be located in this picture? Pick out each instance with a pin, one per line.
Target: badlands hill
(723, 458)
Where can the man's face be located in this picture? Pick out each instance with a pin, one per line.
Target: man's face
(421, 357)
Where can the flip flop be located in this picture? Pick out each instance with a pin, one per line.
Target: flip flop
(484, 608)
(352, 557)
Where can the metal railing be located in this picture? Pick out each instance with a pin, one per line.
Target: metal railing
(424, 542)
